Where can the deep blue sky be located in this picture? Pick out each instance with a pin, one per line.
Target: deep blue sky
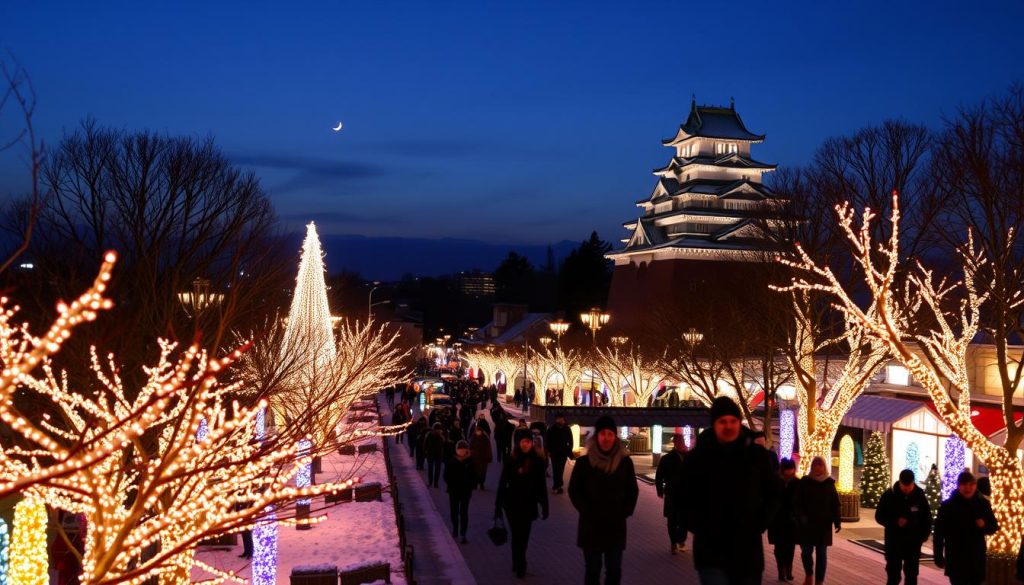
(509, 122)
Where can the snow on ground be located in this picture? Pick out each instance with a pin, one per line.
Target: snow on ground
(354, 533)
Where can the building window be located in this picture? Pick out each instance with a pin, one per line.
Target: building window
(726, 147)
(897, 375)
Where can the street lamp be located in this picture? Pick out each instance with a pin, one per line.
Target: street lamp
(558, 328)
(619, 340)
(369, 302)
(594, 319)
(199, 297)
(546, 341)
(693, 337)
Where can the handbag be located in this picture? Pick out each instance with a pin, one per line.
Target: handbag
(498, 533)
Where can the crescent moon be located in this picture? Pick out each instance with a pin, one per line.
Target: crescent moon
(338, 127)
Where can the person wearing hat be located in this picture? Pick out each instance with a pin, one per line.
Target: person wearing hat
(521, 489)
(782, 530)
(559, 445)
(668, 482)
(460, 477)
(729, 498)
(603, 489)
(963, 522)
(907, 518)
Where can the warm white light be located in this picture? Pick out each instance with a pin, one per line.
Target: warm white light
(845, 483)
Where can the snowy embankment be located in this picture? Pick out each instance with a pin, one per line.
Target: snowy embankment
(352, 534)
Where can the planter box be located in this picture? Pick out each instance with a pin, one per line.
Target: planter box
(342, 496)
(849, 506)
(1000, 570)
(638, 444)
(366, 574)
(327, 575)
(347, 450)
(367, 448)
(368, 492)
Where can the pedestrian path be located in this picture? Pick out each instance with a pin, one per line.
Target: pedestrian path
(554, 559)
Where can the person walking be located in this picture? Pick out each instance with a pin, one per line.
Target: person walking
(502, 435)
(433, 449)
(559, 445)
(604, 491)
(398, 418)
(907, 518)
(729, 499)
(460, 477)
(668, 482)
(521, 489)
(963, 522)
(480, 451)
(782, 530)
(816, 507)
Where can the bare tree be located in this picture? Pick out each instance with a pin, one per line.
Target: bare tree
(21, 93)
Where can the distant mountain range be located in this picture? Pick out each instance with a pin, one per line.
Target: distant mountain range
(386, 258)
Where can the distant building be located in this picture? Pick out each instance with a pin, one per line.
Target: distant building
(699, 222)
(476, 284)
(511, 323)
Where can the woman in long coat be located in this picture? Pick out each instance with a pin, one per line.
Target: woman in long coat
(521, 490)
(480, 450)
(782, 530)
(816, 507)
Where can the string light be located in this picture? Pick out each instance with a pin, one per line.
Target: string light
(688, 436)
(264, 551)
(912, 458)
(304, 478)
(954, 462)
(874, 479)
(5, 542)
(28, 557)
(845, 483)
(787, 420)
(944, 372)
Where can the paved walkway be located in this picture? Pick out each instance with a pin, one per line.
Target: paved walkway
(554, 559)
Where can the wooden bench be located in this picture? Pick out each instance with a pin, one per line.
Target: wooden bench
(347, 450)
(320, 575)
(344, 495)
(367, 448)
(365, 574)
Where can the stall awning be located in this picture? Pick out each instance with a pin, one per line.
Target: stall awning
(987, 419)
(879, 413)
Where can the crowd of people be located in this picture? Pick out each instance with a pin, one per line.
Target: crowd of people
(727, 491)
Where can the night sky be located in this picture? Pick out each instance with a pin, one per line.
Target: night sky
(507, 122)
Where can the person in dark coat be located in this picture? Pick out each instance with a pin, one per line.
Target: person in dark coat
(668, 482)
(502, 435)
(521, 490)
(963, 522)
(907, 518)
(816, 507)
(559, 446)
(729, 499)
(604, 491)
(398, 418)
(480, 452)
(782, 530)
(434, 450)
(460, 477)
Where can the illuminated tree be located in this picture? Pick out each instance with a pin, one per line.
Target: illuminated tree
(942, 318)
(845, 483)
(874, 478)
(933, 490)
(631, 367)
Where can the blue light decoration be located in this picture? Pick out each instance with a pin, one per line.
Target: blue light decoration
(264, 549)
(5, 542)
(423, 401)
(203, 429)
(261, 424)
(304, 478)
(913, 458)
(787, 435)
(688, 436)
(954, 464)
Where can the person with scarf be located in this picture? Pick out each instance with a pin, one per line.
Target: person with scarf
(729, 498)
(668, 482)
(963, 522)
(460, 477)
(816, 507)
(782, 530)
(603, 489)
(521, 490)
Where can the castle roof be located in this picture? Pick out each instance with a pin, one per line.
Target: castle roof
(731, 160)
(713, 122)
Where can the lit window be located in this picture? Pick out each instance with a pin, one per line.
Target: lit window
(897, 375)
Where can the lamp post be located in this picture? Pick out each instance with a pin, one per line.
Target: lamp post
(369, 301)
(594, 319)
(558, 328)
(693, 337)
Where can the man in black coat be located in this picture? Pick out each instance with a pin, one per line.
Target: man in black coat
(668, 481)
(907, 518)
(559, 446)
(604, 491)
(521, 489)
(963, 522)
(730, 497)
